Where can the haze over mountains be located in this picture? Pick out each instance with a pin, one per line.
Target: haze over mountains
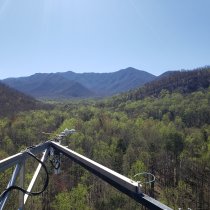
(55, 85)
(69, 84)
(82, 85)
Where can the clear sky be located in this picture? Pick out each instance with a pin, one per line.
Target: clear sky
(102, 35)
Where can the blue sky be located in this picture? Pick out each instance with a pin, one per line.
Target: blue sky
(102, 35)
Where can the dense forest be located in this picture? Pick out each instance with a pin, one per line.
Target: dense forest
(179, 81)
(13, 101)
(166, 133)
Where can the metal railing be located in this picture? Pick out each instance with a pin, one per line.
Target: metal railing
(120, 182)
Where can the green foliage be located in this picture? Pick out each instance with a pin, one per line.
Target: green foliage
(137, 167)
(168, 136)
(75, 199)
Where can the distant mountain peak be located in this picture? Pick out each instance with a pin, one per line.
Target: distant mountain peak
(131, 68)
(70, 84)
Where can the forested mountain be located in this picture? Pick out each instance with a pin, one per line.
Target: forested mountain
(13, 101)
(111, 83)
(70, 84)
(180, 81)
(49, 86)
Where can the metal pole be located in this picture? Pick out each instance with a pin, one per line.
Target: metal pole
(11, 182)
(21, 184)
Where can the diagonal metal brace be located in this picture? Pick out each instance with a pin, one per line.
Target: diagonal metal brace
(120, 182)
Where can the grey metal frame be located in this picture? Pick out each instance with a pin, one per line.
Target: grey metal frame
(18, 161)
(120, 182)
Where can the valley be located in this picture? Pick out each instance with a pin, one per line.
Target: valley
(162, 127)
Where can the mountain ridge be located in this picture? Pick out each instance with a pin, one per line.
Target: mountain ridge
(73, 85)
(184, 81)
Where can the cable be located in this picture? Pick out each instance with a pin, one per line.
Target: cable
(146, 173)
(14, 187)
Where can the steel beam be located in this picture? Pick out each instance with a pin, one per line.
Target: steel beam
(17, 158)
(117, 180)
(11, 182)
(21, 184)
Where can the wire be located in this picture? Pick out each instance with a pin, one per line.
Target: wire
(146, 173)
(15, 187)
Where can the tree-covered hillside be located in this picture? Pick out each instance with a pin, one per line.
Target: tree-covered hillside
(13, 101)
(179, 81)
(166, 134)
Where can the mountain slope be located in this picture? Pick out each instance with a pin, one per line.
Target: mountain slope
(48, 86)
(111, 83)
(13, 101)
(182, 81)
(70, 84)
